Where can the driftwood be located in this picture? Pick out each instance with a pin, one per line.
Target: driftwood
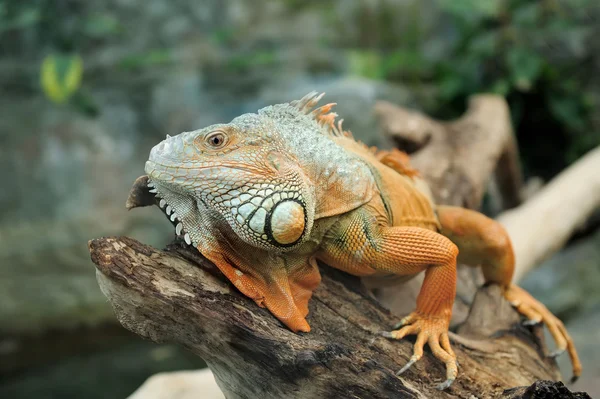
(176, 295)
(459, 157)
(543, 224)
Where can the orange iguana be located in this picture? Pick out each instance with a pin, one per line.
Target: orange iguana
(266, 195)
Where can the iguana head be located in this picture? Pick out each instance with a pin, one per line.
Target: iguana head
(240, 176)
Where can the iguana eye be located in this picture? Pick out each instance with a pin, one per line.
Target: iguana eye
(216, 139)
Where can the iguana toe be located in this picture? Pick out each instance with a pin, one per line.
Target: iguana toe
(534, 310)
(434, 332)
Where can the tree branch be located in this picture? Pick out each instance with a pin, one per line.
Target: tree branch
(543, 224)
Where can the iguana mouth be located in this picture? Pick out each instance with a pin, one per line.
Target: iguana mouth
(171, 213)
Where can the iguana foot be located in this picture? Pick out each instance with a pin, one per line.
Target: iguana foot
(433, 331)
(537, 313)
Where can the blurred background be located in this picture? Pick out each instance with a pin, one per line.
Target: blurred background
(88, 87)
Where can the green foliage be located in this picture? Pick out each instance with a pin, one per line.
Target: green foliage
(366, 63)
(56, 25)
(539, 55)
(147, 59)
(22, 18)
(98, 26)
(524, 67)
(244, 62)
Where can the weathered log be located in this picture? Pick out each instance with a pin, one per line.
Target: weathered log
(176, 295)
(459, 157)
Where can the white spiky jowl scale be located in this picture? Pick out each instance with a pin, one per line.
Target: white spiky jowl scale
(171, 214)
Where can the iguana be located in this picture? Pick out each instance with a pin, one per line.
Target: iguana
(268, 194)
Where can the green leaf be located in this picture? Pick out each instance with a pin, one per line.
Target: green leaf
(450, 86)
(60, 76)
(524, 66)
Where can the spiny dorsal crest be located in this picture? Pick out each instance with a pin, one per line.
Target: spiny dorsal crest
(395, 159)
(321, 115)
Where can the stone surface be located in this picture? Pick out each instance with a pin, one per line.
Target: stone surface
(568, 285)
(70, 181)
(585, 329)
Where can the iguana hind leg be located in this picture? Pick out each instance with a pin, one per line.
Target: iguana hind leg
(358, 245)
(483, 241)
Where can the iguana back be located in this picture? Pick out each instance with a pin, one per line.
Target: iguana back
(406, 196)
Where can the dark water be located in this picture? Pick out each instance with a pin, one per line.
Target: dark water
(112, 373)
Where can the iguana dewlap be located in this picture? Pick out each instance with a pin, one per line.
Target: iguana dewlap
(266, 195)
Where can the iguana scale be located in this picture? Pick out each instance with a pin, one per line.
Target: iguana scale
(268, 194)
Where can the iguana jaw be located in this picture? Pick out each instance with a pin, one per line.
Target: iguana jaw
(180, 209)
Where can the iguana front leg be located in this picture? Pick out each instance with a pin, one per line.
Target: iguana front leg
(483, 241)
(361, 246)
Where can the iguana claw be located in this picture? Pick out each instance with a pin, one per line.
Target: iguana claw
(534, 311)
(446, 384)
(434, 332)
(556, 353)
(412, 361)
(532, 322)
(405, 320)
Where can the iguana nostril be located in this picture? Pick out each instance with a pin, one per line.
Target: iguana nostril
(176, 143)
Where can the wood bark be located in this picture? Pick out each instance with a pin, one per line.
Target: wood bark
(176, 295)
(459, 157)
